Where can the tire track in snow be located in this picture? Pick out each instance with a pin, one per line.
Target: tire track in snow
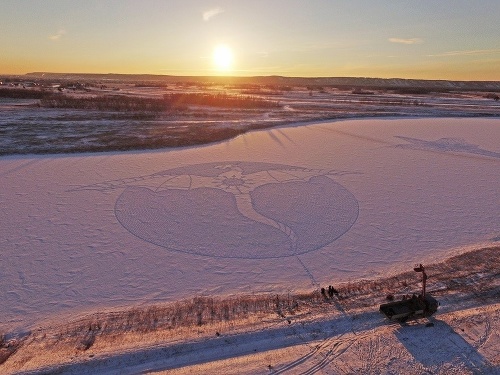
(486, 335)
(317, 349)
(330, 356)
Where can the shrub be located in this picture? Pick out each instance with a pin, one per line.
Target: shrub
(219, 100)
(168, 102)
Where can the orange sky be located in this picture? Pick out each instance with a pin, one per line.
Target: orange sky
(449, 39)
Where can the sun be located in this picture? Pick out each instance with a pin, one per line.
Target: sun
(222, 57)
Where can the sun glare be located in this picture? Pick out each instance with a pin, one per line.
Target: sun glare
(222, 57)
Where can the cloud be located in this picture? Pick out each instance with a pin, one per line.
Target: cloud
(468, 53)
(58, 35)
(207, 15)
(406, 41)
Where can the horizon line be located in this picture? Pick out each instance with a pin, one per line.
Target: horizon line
(242, 77)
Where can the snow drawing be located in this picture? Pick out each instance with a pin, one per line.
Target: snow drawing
(236, 209)
(446, 145)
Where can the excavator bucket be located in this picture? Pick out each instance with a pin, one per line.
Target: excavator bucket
(418, 268)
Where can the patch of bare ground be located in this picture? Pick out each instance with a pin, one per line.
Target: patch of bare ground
(466, 281)
(7, 348)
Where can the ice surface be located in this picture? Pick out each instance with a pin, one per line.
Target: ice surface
(274, 210)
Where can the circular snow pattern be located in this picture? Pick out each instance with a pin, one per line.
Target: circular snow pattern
(237, 209)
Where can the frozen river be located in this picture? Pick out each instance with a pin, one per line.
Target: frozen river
(283, 209)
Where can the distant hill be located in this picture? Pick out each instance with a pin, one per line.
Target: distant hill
(341, 82)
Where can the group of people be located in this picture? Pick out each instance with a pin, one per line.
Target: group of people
(331, 291)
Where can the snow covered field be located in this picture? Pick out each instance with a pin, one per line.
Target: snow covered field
(315, 334)
(277, 210)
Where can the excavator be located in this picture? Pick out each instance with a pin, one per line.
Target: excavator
(412, 307)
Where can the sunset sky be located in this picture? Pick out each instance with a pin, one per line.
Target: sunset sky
(443, 39)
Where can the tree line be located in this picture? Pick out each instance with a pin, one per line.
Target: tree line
(16, 93)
